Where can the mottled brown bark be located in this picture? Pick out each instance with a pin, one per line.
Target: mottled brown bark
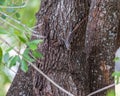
(22, 84)
(101, 39)
(63, 47)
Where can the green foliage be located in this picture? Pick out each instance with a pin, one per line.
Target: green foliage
(13, 61)
(116, 59)
(24, 66)
(34, 44)
(17, 17)
(15, 27)
(26, 55)
(28, 13)
(117, 76)
(37, 54)
(22, 39)
(111, 93)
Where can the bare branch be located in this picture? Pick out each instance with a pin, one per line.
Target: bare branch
(100, 90)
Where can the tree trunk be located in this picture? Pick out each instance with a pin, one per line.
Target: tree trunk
(63, 47)
(78, 49)
(101, 39)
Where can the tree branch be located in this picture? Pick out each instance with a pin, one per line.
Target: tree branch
(102, 89)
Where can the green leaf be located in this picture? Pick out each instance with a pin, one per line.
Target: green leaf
(37, 54)
(26, 51)
(17, 15)
(34, 44)
(3, 16)
(26, 55)
(28, 37)
(116, 74)
(13, 61)
(116, 59)
(19, 60)
(22, 39)
(28, 58)
(24, 66)
(1, 54)
(6, 57)
(33, 47)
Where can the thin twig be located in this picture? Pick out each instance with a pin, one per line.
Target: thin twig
(35, 26)
(15, 7)
(100, 90)
(21, 29)
(18, 22)
(37, 69)
(9, 68)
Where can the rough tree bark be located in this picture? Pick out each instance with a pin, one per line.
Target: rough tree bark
(101, 42)
(78, 49)
(63, 47)
(22, 84)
